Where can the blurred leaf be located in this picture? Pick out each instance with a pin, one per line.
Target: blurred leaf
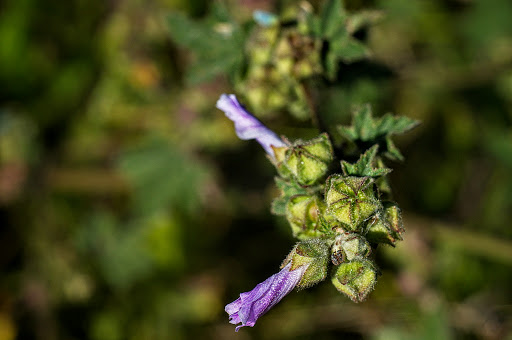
(432, 324)
(162, 240)
(107, 325)
(499, 144)
(342, 46)
(128, 253)
(486, 22)
(162, 177)
(217, 43)
(119, 252)
(349, 49)
(332, 19)
(363, 18)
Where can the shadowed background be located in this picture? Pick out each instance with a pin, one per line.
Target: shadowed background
(130, 210)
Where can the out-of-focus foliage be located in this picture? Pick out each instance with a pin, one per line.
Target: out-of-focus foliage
(130, 210)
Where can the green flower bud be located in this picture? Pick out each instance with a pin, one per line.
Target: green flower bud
(302, 211)
(285, 66)
(348, 246)
(356, 279)
(386, 227)
(260, 45)
(298, 55)
(276, 99)
(284, 48)
(308, 162)
(310, 64)
(255, 97)
(304, 68)
(314, 254)
(393, 215)
(351, 200)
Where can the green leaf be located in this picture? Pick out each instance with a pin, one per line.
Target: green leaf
(366, 129)
(187, 33)
(394, 125)
(364, 124)
(207, 68)
(364, 166)
(349, 50)
(332, 25)
(313, 25)
(363, 18)
(332, 18)
(393, 152)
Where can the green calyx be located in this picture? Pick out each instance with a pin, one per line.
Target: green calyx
(303, 211)
(348, 246)
(298, 55)
(307, 162)
(356, 278)
(351, 200)
(386, 227)
(313, 253)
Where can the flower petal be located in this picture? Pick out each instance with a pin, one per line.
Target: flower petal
(253, 304)
(247, 126)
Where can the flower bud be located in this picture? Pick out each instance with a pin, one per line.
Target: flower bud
(284, 56)
(386, 227)
(393, 215)
(314, 254)
(351, 200)
(355, 279)
(302, 211)
(347, 246)
(308, 162)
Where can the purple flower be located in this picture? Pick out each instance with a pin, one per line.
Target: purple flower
(247, 126)
(251, 305)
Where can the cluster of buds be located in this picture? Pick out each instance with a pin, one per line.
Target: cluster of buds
(345, 211)
(278, 58)
(336, 212)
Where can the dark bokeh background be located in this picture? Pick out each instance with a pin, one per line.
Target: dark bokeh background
(130, 210)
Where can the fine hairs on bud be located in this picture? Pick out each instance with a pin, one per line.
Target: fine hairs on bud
(313, 253)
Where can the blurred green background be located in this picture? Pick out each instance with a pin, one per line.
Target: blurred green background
(130, 210)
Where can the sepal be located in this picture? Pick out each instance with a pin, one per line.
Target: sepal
(386, 226)
(351, 200)
(302, 212)
(312, 253)
(356, 278)
(348, 246)
(307, 162)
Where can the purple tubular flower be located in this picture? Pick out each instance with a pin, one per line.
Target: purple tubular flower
(247, 126)
(251, 305)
